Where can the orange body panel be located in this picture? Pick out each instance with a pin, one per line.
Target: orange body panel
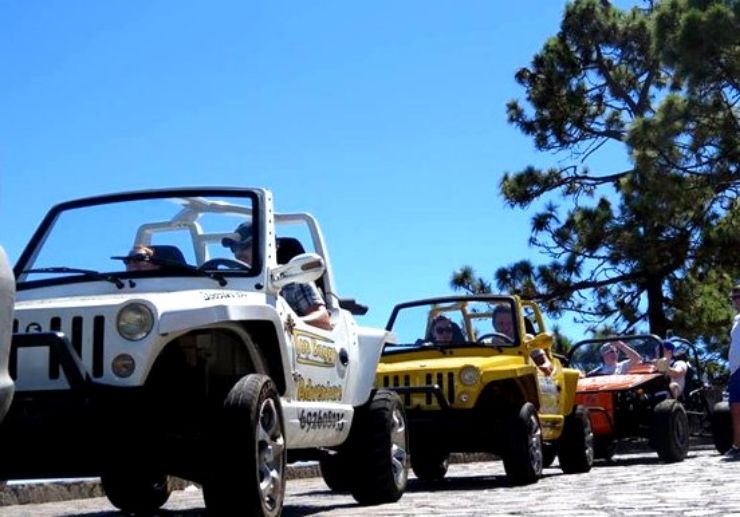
(601, 410)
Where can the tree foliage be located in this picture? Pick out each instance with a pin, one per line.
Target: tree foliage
(651, 247)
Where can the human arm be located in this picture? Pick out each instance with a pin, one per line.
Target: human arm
(633, 356)
(318, 316)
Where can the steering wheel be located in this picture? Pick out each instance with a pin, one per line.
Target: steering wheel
(229, 263)
(495, 335)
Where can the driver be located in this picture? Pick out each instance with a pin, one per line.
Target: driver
(304, 299)
(610, 355)
(503, 322)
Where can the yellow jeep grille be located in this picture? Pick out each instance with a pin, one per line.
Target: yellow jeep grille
(442, 381)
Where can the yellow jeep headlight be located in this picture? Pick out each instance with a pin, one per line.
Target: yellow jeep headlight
(135, 321)
(469, 375)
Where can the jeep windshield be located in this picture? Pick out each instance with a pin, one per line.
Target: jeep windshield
(589, 355)
(455, 322)
(181, 232)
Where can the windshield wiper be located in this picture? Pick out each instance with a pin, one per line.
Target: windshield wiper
(89, 273)
(174, 265)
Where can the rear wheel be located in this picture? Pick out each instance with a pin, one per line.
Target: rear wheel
(430, 465)
(604, 447)
(334, 471)
(248, 472)
(576, 447)
(136, 493)
(523, 454)
(670, 431)
(378, 450)
(722, 427)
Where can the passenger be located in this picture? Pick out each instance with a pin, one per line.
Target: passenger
(610, 358)
(304, 299)
(675, 369)
(442, 330)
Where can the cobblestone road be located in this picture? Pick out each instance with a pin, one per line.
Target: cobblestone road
(634, 484)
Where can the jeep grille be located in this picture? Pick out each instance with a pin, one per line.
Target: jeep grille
(445, 381)
(82, 334)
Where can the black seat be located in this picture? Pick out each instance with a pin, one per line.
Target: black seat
(168, 253)
(287, 248)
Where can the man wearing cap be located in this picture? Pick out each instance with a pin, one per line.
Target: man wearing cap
(610, 355)
(304, 299)
(733, 386)
(675, 369)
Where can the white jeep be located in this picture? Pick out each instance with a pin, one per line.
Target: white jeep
(194, 366)
(7, 299)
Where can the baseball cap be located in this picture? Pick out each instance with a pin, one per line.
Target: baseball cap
(241, 237)
(669, 344)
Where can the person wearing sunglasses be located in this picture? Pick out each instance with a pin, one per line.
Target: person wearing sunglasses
(139, 259)
(733, 387)
(442, 330)
(611, 365)
(503, 322)
(305, 299)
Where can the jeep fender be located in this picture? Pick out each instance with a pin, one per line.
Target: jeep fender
(240, 319)
(370, 345)
(568, 396)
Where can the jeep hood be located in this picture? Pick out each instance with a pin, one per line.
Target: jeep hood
(614, 382)
(436, 360)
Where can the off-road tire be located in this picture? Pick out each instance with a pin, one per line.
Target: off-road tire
(429, 465)
(670, 431)
(136, 493)
(249, 462)
(576, 445)
(722, 427)
(378, 449)
(523, 449)
(335, 472)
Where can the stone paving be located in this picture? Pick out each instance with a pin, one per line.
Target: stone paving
(636, 484)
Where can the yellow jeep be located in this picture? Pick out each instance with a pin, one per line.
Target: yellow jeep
(478, 374)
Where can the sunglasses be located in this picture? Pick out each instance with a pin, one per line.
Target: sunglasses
(443, 330)
(137, 257)
(610, 351)
(240, 246)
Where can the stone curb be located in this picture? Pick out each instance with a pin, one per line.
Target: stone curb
(46, 492)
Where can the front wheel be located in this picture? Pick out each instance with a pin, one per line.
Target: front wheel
(378, 448)
(136, 493)
(722, 427)
(576, 447)
(523, 453)
(249, 464)
(670, 432)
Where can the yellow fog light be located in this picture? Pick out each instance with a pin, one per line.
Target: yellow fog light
(464, 397)
(135, 321)
(123, 365)
(469, 375)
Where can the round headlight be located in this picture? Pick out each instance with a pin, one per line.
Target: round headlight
(123, 365)
(135, 321)
(469, 375)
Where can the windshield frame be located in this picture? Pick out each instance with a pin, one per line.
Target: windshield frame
(46, 226)
(518, 340)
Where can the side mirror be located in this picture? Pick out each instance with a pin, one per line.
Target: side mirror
(301, 269)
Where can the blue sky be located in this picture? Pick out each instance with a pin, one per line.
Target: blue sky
(384, 119)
